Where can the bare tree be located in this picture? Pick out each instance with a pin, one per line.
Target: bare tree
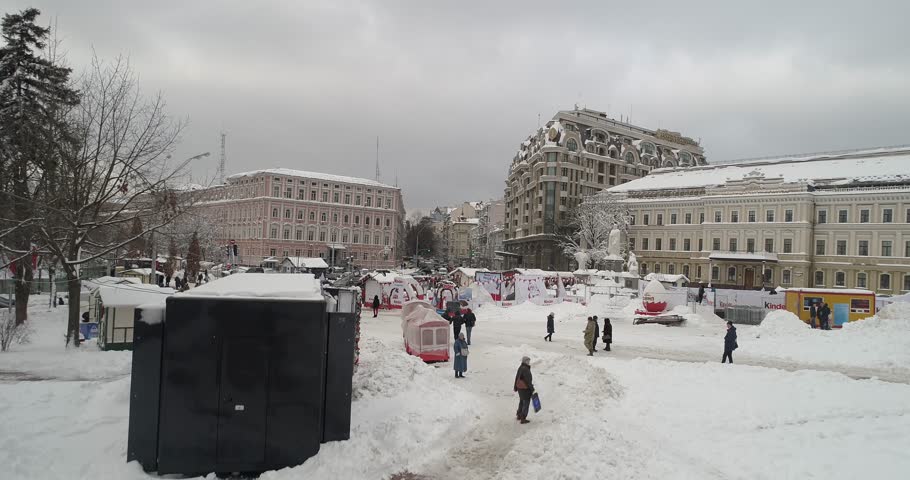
(119, 174)
(590, 226)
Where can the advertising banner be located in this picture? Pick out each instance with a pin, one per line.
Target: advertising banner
(491, 282)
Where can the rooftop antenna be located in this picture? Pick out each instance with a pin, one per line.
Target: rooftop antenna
(377, 158)
(222, 161)
(396, 177)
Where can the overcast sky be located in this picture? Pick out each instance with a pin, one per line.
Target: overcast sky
(452, 88)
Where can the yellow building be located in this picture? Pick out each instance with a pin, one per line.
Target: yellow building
(847, 305)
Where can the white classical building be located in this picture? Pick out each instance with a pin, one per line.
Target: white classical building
(837, 220)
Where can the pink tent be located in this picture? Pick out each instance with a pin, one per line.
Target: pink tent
(426, 334)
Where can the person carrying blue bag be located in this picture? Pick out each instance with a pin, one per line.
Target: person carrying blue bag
(461, 356)
(524, 385)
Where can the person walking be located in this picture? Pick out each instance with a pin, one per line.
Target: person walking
(550, 327)
(457, 322)
(729, 343)
(469, 321)
(589, 336)
(375, 306)
(525, 388)
(608, 334)
(825, 316)
(701, 294)
(596, 333)
(813, 314)
(461, 356)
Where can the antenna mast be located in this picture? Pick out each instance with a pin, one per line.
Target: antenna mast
(222, 161)
(377, 158)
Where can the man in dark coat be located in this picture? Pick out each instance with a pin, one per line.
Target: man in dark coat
(729, 343)
(550, 327)
(375, 306)
(824, 315)
(596, 333)
(701, 294)
(525, 388)
(813, 314)
(608, 334)
(457, 322)
(469, 320)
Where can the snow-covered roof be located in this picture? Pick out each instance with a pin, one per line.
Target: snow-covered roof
(665, 277)
(307, 262)
(97, 282)
(468, 272)
(132, 295)
(881, 164)
(744, 256)
(141, 271)
(313, 175)
(849, 291)
(473, 221)
(294, 286)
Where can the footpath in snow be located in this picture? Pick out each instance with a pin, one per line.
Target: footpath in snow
(608, 416)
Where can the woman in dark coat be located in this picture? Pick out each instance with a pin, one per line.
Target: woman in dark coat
(461, 356)
(550, 329)
(729, 343)
(608, 334)
(525, 388)
(375, 306)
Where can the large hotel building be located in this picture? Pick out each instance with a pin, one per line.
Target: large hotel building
(274, 213)
(578, 153)
(834, 220)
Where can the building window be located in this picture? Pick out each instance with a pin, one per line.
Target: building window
(356, 219)
(840, 279)
(819, 247)
(860, 280)
(644, 244)
(286, 234)
(864, 216)
(906, 282)
(347, 198)
(769, 215)
(688, 219)
(864, 248)
(734, 217)
(788, 215)
(672, 244)
(312, 216)
(717, 216)
(908, 215)
(325, 196)
(299, 214)
(299, 236)
(660, 219)
(751, 216)
(325, 217)
(287, 213)
(310, 236)
(572, 145)
(732, 244)
(657, 244)
(769, 245)
(322, 236)
(272, 252)
(273, 232)
(907, 249)
(750, 245)
(685, 270)
(644, 268)
(671, 269)
(672, 219)
(785, 277)
(631, 219)
(369, 201)
(274, 213)
(366, 238)
(334, 236)
(886, 248)
(788, 245)
(819, 278)
(841, 247)
(731, 274)
(646, 219)
(334, 218)
(822, 216)
(884, 281)
(656, 268)
(887, 215)
(288, 192)
(388, 222)
(715, 273)
(841, 216)
(715, 244)
(698, 272)
(687, 244)
(701, 217)
(276, 191)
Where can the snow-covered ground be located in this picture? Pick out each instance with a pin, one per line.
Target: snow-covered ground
(660, 405)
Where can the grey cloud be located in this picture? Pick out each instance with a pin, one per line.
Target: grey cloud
(453, 87)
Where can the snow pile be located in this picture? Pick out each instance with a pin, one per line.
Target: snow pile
(298, 286)
(530, 312)
(401, 408)
(479, 295)
(893, 321)
(780, 323)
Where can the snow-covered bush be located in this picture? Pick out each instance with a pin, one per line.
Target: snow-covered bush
(11, 333)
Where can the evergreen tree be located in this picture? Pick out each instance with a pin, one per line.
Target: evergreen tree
(35, 95)
(192, 259)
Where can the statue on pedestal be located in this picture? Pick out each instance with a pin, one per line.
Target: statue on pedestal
(632, 264)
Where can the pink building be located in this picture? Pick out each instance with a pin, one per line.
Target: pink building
(274, 213)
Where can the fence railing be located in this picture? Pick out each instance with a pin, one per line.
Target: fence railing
(745, 314)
